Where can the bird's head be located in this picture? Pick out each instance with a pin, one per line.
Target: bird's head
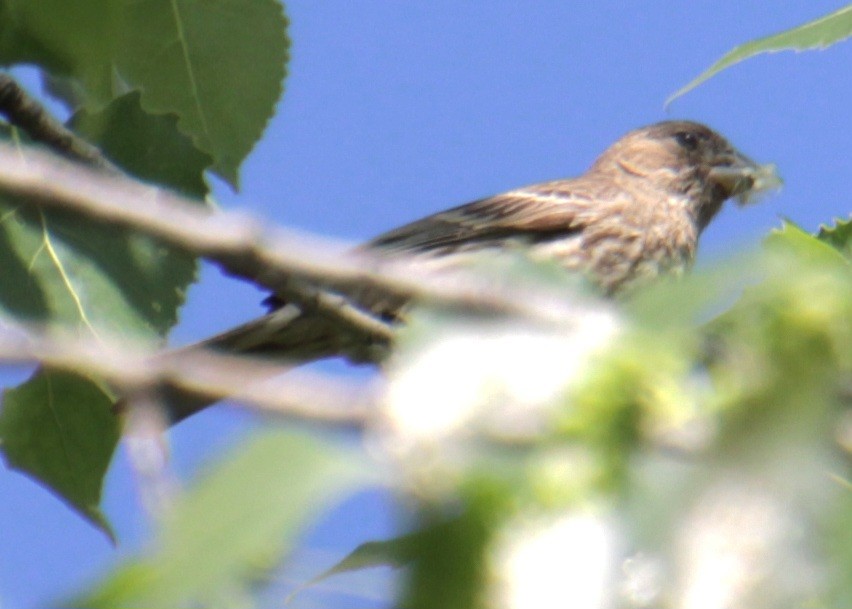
(687, 158)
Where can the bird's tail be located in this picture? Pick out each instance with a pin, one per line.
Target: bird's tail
(285, 335)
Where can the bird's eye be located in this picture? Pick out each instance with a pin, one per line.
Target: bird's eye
(687, 139)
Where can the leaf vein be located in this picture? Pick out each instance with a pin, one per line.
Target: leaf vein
(196, 97)
(47, 245)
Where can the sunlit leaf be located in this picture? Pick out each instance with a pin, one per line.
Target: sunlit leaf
(805, 246)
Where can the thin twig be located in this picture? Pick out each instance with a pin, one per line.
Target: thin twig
(27, 113)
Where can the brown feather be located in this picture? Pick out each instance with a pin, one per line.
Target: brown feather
(636, 213)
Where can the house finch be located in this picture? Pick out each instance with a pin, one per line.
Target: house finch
(635, 214)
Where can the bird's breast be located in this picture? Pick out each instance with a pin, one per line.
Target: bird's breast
(631, 246)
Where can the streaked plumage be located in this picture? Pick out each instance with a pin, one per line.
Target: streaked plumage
(636, 213)
(638, 210)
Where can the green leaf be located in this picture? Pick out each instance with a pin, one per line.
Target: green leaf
(59, 269)
(147, 145)
(817, 34)
(67, 38)
(67, 270)
(839, 542)
(58, 429)
(249, 510)
(216, 64)
(450, 570)
(839, 235)
(396, 552)
(807, 247)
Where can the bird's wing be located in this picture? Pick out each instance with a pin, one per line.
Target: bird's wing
(542, 211)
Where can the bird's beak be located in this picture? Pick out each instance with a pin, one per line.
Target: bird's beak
(743, 178)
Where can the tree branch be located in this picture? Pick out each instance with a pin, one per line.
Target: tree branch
(299, 269)
(27, 113)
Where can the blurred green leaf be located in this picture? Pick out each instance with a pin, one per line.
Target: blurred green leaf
(726, 457)
(250, 509)
(218, 66)
(816, 34)
(763, 480)
(58, 428)
(396, 552)
(839, 545)
(450, 569)
(806, 247)
(677, 303)
(838, 235)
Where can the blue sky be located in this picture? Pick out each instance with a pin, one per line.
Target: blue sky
(394, 110)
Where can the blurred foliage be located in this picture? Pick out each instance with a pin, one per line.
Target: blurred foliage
(838, 235)
(817, 34)
(237, 520)
(696, 444)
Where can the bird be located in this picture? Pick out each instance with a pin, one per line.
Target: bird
(635, 214)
